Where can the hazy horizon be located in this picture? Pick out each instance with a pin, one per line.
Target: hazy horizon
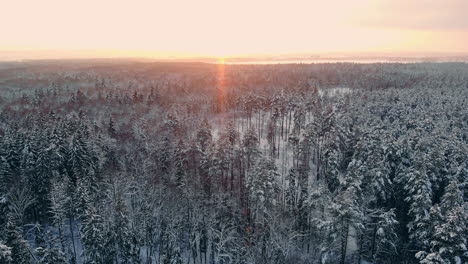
(183, 29)
(19, 55)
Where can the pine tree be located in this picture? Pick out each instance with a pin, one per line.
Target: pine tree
(232, 133)
(79, 160)
(449, 239)
(453, 197)
(10, 159)
(250, 144)
(220, 160)
(152, 96)
(92, 230)
(111, 127)
(120, 240)
(5, 253)
(41, 181)
(50, 255)
(180, 163)
(165, 156)
(332, 162)
(177, 259)
(293, 193)
(92, 226)
(204, 136)
(263, 186)
(372, 152)
(419, 192)
(20, 251)
(380, 240)
(58, 208)
(80, 97)
(28, 158)
(171, 124)
(347, 215)
(436, 219)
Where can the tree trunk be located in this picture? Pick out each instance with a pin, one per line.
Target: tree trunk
(344, 240)
(72, 239)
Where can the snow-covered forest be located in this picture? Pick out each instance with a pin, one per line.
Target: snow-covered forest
(181, 163)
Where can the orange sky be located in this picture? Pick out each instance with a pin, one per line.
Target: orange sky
(105, 28)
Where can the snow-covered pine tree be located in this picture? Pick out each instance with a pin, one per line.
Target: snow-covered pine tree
(120, 240)
(371, 150)
(20, 250)
(58, 208)
(50, 254)
(79, 159)
(45, 169)
(250, 144)
(379, 240)
(436, 219)
(204, 136)
(220, 160)
(180, 164)
(111, 127)
(294, 190)
(263, 186)
(332, 162)
(5, 253)
(418, 188)
(347, 215)
(165, 155)
(91, 227)
(232, 133)
(449, 238)
(171, 124)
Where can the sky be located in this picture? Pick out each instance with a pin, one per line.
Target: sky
(222, 28)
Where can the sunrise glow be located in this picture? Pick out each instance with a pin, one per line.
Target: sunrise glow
(221, 85)
(233, 131)
(173, 29)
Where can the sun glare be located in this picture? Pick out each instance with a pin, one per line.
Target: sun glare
(221, 85)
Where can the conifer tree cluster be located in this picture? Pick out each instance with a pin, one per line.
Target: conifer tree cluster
(321, 163)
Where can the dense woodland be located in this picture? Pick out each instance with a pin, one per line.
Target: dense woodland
(181, 163)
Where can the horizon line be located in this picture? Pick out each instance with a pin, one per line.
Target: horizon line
(102, 54)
